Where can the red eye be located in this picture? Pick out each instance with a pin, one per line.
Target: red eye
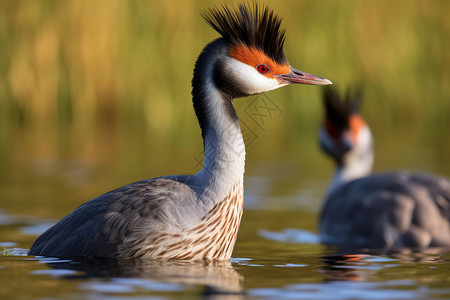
(263, 69)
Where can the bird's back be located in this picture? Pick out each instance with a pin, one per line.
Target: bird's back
(389, 210)
(124, 222)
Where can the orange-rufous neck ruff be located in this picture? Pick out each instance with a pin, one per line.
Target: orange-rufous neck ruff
(356, 123)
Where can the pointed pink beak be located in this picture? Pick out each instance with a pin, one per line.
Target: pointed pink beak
(296, 76)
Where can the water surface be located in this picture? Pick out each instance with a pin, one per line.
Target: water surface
(276, 256)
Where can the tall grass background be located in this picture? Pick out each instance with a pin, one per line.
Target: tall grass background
(107, 82)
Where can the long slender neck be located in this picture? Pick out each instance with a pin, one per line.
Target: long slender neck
(355, 164)
(223, 143)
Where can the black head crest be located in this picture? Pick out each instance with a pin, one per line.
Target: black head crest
(339, 111)
(257, 27)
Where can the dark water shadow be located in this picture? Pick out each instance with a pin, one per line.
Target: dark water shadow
(346, 264)
(428, 254)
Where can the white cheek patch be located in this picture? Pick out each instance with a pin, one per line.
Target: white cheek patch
(250, 80)
(364, 138)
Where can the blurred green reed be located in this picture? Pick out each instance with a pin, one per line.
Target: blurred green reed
(71, 71)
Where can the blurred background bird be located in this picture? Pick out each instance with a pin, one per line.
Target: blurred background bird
(383, 211)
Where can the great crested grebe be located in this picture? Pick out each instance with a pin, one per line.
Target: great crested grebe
(386, 211)
(190, 217)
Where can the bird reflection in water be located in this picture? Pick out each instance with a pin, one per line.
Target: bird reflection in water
(219, 278)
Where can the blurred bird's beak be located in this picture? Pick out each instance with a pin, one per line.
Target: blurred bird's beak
(296, 76)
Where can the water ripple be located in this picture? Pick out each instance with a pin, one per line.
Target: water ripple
(290, 235)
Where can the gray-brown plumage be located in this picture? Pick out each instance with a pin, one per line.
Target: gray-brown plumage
(385, 211)
(196, 216)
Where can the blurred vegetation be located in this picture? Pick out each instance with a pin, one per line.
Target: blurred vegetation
(79, 78)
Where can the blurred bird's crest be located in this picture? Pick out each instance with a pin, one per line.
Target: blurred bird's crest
(338, 111)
